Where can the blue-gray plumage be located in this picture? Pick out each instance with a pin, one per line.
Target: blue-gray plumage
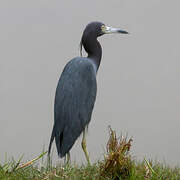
(75, 97)
(76, 91)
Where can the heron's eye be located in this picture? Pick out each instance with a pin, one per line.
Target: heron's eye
(103, 28)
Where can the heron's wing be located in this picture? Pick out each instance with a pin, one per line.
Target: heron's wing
(74, 102)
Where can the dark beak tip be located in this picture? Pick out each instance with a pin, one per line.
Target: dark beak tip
(123, 32)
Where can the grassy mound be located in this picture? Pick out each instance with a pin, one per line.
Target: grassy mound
(118, 164)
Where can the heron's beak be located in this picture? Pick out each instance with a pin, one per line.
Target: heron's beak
(109, 30)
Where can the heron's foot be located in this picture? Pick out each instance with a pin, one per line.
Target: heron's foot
(85, 149)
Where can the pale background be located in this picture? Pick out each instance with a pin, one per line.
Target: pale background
(138, 80)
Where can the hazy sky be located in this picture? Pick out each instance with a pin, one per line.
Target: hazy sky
(138, 79)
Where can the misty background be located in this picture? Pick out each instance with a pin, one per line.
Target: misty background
(138, 79)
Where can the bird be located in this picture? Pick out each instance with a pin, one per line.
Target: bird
(76, 92)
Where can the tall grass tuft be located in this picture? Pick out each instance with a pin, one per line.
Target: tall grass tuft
(117, 162)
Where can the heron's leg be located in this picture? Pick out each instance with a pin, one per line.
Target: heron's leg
(84, 147)
(67, 159)
(49, 162)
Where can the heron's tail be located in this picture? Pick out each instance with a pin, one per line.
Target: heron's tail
(51, 140)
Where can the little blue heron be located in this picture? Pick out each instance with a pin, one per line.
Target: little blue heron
(76, 91)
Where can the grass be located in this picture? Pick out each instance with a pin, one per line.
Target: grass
(118, 164)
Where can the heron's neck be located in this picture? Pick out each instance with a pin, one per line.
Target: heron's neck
(94, 50)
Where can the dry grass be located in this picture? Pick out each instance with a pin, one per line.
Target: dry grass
(117, 161)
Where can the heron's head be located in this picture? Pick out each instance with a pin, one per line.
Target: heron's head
(96, 29)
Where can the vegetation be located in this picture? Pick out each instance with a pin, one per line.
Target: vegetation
(117, 165)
